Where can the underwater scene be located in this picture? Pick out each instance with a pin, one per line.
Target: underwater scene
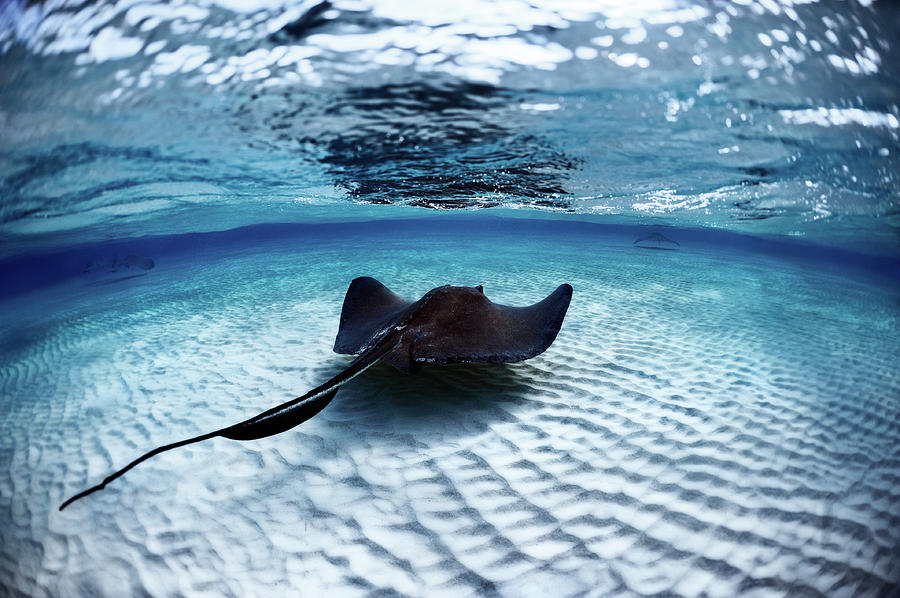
(667, 362)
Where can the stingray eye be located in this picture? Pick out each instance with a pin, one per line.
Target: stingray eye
(480, 289)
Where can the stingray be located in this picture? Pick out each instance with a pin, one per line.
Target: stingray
(447, 325)
(662, 241)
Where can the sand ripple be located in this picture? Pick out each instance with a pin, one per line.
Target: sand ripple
(717, 425)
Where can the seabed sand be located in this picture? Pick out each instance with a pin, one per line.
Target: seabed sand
(709, 422)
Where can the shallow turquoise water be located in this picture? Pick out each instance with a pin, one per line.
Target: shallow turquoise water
(711, 421)
(187, 189)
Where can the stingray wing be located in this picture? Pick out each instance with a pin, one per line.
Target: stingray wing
(465, 326)
(369, 308)
(447, 325)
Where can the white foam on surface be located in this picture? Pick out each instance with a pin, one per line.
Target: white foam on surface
(705, 424)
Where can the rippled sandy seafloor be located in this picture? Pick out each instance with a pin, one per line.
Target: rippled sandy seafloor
(707, 423)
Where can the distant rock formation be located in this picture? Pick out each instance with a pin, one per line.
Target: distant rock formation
(115, 268)
(133, 263)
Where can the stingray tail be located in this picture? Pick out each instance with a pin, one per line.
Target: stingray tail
(271, 422)
(142, 458)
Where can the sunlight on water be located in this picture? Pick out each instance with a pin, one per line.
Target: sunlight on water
(765, 117)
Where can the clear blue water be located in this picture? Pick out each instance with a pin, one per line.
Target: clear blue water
(187, 190)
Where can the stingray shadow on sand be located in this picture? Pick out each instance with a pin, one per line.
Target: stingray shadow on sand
(451, 401)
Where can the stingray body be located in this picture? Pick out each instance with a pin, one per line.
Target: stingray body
(447, 325)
